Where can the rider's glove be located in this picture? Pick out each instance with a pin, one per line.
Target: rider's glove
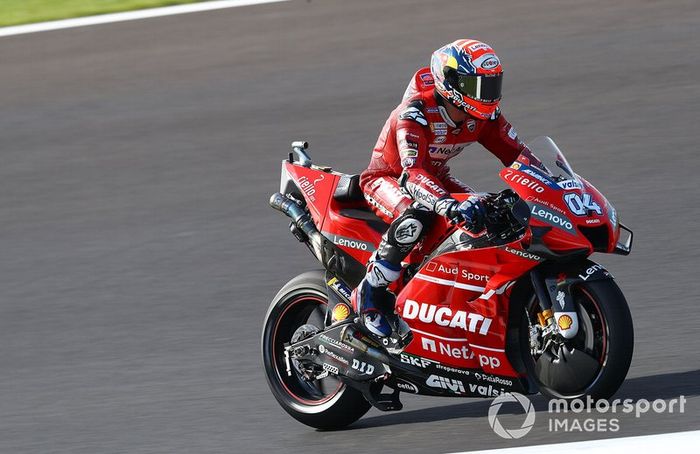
(471, 213)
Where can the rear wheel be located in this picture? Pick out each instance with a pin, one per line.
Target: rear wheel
(297, 310)
(595, 362)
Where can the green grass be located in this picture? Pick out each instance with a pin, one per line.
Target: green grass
(15, 12)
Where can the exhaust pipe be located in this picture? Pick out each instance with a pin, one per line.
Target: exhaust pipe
(302, 220)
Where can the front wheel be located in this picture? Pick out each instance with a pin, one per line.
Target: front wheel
(297, 309)
(595, 362)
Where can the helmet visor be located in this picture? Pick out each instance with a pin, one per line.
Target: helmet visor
(480, 88)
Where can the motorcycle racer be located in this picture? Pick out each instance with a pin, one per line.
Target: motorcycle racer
(446, 107)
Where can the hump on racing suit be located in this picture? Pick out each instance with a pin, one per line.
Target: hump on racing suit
(417, 141)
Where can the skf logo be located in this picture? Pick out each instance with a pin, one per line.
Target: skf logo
(415, 360)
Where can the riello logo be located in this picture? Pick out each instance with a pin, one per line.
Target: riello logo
(445, 316)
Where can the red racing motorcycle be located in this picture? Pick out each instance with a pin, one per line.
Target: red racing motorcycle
(516, 308)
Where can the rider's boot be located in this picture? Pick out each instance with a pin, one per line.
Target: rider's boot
(373, 301)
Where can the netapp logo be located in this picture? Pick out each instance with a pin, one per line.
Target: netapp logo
(446, 349)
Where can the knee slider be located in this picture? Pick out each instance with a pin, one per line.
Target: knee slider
(409, 227)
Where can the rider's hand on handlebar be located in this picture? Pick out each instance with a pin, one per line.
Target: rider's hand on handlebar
(471, 213)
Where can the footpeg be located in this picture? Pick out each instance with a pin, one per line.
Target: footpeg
(394, 343)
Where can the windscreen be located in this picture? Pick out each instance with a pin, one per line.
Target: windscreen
(544, 155)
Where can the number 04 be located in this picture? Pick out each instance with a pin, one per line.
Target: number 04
(581, 207)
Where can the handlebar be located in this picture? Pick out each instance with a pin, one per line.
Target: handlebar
(506, 216)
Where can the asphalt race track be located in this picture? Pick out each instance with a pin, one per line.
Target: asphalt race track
(139, 254)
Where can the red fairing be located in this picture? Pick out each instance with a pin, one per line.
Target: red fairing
(569, 211)
(607, 220)
(419, 139)
(316, 186)
(457, 307)
(354, 236)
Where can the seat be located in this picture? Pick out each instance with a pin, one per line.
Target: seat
(348, 189)
(366, 215)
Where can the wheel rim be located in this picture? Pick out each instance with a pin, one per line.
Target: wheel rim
(304, 396)
(592, 317)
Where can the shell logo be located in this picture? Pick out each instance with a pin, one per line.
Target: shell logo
(340, 312)
(565, 322)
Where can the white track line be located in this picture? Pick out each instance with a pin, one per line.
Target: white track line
(673, 442)
(129, 15)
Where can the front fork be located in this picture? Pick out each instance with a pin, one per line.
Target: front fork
(558, 310)
(552, 283)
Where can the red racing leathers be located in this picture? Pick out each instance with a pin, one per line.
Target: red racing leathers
(417, 140)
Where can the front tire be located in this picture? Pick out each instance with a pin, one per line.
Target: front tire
(606, 335)
(324, 404)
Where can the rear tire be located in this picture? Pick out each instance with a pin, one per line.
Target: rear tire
(613, 337)
(326, 404)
